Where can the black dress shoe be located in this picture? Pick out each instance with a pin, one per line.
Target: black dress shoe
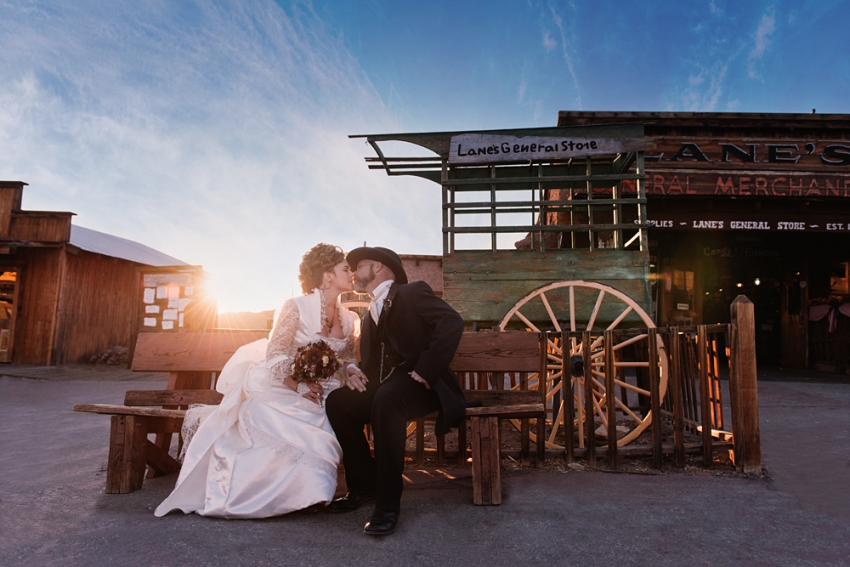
(382, 523)
(350, 502)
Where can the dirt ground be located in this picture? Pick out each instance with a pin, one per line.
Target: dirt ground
(53, 511)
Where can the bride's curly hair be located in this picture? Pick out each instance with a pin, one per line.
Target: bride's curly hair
(319, 259)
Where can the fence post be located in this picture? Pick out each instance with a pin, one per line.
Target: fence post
(743, 386)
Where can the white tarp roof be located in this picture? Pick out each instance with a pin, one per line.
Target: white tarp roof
(108, 245)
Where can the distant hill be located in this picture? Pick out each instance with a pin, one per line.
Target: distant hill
(246, 320)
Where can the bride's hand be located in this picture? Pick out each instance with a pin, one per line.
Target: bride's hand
(355, 379)
(315, 394)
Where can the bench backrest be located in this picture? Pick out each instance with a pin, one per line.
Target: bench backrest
(186, 352)
(171, 397)
(493, 351)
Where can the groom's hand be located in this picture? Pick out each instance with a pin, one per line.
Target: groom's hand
(420, 379)
(355, 379)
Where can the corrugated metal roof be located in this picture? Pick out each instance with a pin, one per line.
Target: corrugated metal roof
(117, 247)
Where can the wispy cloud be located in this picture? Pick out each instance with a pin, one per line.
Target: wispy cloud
(565, 46)
(217, 134)
(705, 88)
(549, 42)
(761, 41)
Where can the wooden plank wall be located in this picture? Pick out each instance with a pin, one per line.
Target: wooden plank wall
(38, 300)
(37, 226)
(97, 306)
(10, 200)
(484, 285)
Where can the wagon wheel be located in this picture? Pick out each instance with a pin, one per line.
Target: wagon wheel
(570, 300)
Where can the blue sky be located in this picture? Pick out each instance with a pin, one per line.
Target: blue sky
(216, 132)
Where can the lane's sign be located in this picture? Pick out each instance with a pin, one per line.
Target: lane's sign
(496, 148)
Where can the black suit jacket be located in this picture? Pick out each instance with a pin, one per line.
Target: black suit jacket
(424, 331)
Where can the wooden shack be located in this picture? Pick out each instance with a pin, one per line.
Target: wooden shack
(755, 204)
(69, 293)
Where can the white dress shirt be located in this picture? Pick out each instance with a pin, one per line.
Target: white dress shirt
(378, 296)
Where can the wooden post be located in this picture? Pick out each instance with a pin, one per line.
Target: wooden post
(610, 395)
(486, 481)
(589, 422)
(569, 409)
(125, 470)
(704, 395)
(542, 377)
(675, 385)
(654, 397)
(743, 386)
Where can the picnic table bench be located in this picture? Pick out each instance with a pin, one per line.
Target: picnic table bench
(193, 358)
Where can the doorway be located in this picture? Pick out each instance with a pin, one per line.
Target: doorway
(8, 311)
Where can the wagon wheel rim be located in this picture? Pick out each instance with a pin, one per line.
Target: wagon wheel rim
(635, 421)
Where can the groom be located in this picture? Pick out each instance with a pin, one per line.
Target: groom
(409, 337)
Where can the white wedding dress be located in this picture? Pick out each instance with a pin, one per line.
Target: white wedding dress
(265, 450)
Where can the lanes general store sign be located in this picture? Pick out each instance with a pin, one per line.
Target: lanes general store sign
(497, 148)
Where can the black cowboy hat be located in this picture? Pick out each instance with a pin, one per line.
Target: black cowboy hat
(383, 255)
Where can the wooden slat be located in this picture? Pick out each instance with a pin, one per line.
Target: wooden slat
(171, 397)
(127, 410)
(492, 351)
(704, 396)
(610, 395)
(513, 411)
(589, 425)
(654, 398)
(502, 397)
(176, 352)
(675, 385)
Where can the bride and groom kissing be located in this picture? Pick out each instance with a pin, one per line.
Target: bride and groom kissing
(273, 445)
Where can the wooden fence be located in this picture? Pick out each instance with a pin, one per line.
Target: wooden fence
(681, 392)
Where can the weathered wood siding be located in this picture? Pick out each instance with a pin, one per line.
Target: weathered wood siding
(32, 226)
(98, 299)
(39, 295)
(10, 200)
(484, 285)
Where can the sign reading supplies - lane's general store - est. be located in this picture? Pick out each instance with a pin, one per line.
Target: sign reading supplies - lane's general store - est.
(495, 148)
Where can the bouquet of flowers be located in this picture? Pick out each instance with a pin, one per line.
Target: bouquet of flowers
(314, 362)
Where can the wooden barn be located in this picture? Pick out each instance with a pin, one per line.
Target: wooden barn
(68, 293)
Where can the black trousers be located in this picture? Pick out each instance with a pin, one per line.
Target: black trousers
(388, 407)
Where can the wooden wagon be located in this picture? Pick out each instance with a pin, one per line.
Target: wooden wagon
(544, 229)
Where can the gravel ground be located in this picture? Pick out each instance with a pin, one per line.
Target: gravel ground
(53, 511)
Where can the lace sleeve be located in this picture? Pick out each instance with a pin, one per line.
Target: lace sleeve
(282, 341)
(352, 340)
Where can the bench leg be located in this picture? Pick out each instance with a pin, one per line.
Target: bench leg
(125, 469)
(461, 443)
(486, 473)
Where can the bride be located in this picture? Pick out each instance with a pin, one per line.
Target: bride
(268, 448)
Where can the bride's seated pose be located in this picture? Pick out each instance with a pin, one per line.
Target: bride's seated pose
(268, 448)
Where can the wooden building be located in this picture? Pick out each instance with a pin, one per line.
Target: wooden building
(757, 204)
(68, 293)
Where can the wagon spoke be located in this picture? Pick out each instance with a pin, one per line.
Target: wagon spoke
(631, 387)
(596, 307)
(628, 411)
(556, 422)
(549, 311)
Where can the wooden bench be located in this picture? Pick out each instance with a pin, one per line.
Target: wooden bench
(482, 360)
(192, 360)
